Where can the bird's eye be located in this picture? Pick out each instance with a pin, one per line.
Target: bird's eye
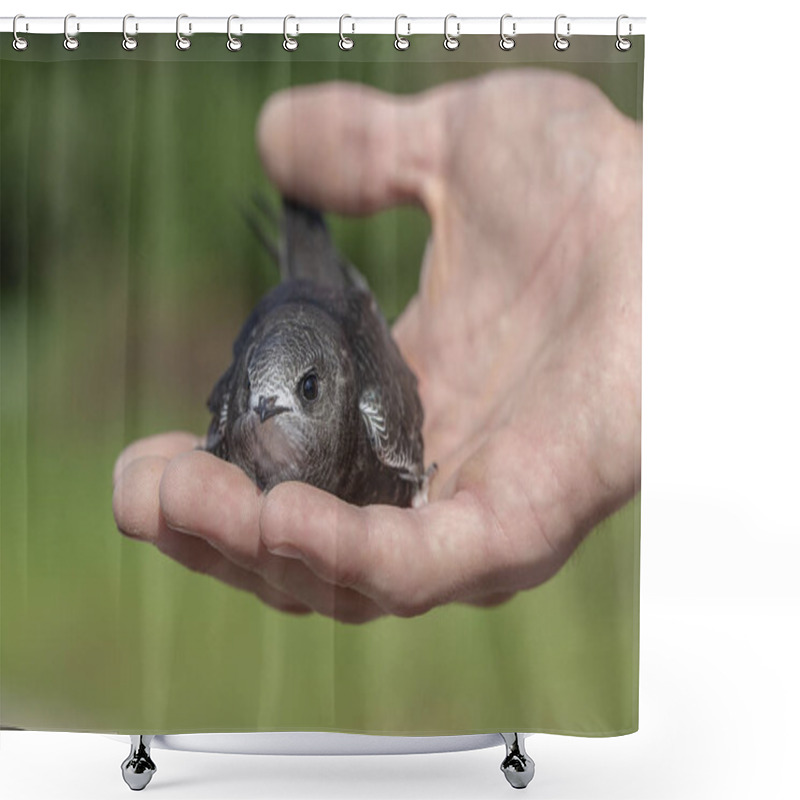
(309, 386)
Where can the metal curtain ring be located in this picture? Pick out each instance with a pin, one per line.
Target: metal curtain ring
(345, 42)
(128, 42)
(507, 42)
(182, 43)
(400, 42)
(289, 42)
(19, 43)
(451, 42)
(70, 42)
(560, 43)
(234, 43)
(623, 44)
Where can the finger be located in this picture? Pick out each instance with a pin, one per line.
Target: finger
(138, 514)
(199, 556)
(292, 577)
(135, 498)
(205, 496)
(165, 445)
(348, 147)
(405, 560)
(209, 498)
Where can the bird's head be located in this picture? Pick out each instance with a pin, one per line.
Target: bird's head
(301, 386)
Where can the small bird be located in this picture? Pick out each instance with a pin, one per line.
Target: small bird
(318, 391)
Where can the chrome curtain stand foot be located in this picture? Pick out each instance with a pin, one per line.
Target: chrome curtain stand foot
(517, 766)
(138, 768)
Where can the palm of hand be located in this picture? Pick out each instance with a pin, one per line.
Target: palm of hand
(525, 332)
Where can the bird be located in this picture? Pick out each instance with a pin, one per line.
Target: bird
(318, 390)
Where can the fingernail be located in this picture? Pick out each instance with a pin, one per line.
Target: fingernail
(286, 551)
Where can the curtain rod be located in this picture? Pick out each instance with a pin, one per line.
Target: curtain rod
(293, 26)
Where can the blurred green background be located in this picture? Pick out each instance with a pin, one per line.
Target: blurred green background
(126, 273)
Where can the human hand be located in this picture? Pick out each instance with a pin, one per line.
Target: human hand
(525, 335)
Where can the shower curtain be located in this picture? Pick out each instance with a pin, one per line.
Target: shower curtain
(128, 269)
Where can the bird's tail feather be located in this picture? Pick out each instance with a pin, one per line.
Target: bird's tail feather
(255, 218)
(306, 250)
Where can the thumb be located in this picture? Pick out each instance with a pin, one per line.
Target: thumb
(350, 148)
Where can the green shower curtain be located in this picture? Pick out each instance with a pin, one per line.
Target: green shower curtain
(127, 271)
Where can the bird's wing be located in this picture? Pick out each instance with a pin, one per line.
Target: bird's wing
(395, 452)
(388, 400)
(218, 405)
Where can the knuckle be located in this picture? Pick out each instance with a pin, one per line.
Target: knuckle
(285, 605)
(275, 571)
(349, 574)
(352, 608)
(407, 604)
(272, 516)
(350, 615)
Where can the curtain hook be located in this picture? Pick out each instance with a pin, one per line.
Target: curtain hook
(234, 42)
(560, 42)
(70, 42)
(400, 42)
(623, 44)
(345, 42)
(289, 42)
(128, 42)
(182, 43)
(507, 42)
(19, 43)
(451, 42)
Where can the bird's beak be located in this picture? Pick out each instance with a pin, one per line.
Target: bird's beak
(267, 408)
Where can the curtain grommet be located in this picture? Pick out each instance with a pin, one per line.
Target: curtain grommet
(129, 42)
(234, 43)
(451, 42)
(345, 42)
(507, 41)
(290, 43)
(70, 42)
(182, 42)
(622, 44)
(19, 43)
(560, 43)
(401, 42)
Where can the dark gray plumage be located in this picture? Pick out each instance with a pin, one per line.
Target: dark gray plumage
(318, 391)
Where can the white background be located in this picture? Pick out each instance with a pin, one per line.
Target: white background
(720, 616)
